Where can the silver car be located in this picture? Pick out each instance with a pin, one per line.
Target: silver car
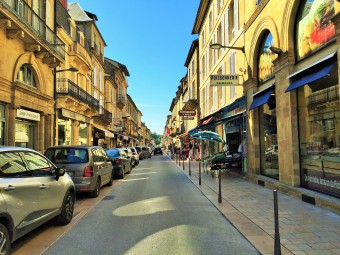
(89, 166)
(32, 191)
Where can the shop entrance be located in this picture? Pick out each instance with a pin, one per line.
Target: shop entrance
(24, 134)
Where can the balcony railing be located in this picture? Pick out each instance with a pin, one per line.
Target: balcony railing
(66, 86)
(38, 26)
(327, 95)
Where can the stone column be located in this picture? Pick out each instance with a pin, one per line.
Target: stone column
(10, 127)
(75, 132)
(287, 121)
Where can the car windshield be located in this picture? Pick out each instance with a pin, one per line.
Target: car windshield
(112, 153)
(67, 155)
(138, 149)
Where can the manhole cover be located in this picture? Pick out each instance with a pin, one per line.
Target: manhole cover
(108, 197)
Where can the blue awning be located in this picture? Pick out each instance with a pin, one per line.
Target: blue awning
(310, 77)
(193, 131)
(261, 97)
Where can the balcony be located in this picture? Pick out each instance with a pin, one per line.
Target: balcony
(67, 87)
(80, 56)
(21, 22)
(121, 99)
(104, 116)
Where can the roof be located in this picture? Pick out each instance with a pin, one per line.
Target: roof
(77, 13)
(192, 49)
(201, 12)
(118, 65)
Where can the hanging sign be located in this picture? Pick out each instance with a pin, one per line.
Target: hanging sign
(224, 80)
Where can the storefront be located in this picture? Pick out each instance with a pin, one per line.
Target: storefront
(26, 128)
(317, 92)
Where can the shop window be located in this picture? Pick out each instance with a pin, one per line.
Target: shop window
(24, 134)
(268, 139)
(26, 75)
(64, 132)
(314, 26)
(83, 134)
(319, 122)
(266, 57)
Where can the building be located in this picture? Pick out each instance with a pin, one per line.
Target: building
(30, 51)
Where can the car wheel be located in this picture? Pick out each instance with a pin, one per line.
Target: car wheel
(111, 180)
(121, 176)
(66, 214)
(95, 192)
(5, 242)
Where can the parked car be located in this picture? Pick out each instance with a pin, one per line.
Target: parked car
(130, 156)
(145, 151)
(89, 166)
(135, 155)
(139, 151)
(32, 191)
(158, 150)
(121, 164)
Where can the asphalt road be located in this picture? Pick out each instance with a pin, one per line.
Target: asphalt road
(154, 210)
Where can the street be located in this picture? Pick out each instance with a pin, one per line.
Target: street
(155, 210)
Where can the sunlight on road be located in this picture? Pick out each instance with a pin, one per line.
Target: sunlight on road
(175, 240)
(143, 173)
(139, 169)
(130, 180)
(148, 206)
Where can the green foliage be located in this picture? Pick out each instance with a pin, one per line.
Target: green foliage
(156, 138)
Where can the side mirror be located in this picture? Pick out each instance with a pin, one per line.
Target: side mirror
(59, 172)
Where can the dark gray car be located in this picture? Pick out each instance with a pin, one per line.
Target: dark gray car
(121, 163)
(89, 166)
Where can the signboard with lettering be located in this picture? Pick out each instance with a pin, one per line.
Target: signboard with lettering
(224, 80)
(187, 113)
(188, 117)
(24, 114)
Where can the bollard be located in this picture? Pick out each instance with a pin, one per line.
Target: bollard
(199, 173)
(179, 159)
(219, 187)
(189, 167)
(277, 245)
(183, 164)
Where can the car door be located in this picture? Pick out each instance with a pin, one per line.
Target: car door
(50, 191)
(106, 165)
(125, 160)
(101, 165)
(19, 189)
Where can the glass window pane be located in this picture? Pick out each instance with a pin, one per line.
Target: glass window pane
(37, 164)
(11, 164)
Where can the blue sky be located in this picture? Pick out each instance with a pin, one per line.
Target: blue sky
(152, 38)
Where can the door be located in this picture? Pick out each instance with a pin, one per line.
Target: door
(19, 190)
(102, 164)
(50, 191)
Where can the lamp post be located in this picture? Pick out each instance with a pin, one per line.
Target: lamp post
(217, 46)
(54, 72)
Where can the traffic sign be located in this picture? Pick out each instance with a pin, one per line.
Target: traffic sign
(187, 113)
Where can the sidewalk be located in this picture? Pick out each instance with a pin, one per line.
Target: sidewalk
(304, 228)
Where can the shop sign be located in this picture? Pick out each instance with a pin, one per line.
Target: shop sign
(187, 113)
(75, 116)
(188, 117)
(224, 80)
(116, 121)
(24, 114)
(115, 128)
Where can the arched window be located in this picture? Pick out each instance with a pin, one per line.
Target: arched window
(266, 58)
(26, 75)
(314, 27)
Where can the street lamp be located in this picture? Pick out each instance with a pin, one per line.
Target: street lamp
(217, 46)
(54, 72)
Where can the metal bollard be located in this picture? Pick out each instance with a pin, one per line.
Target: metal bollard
(277, 245)
(199, 173)
(179, 159)
(183, 164)
(219, 187)
(189, 167)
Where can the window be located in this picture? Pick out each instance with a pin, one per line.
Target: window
(314, 26)
(37, 164)
(231, 20)
(26, 75)
(11, 164)
(266, 58)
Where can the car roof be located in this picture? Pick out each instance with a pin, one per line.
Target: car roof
(15, 148)
(74, 146)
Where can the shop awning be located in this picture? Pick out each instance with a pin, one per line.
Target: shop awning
(183, 135)
(312, 72)
(106, 132)
(193, 131)
(262, 97)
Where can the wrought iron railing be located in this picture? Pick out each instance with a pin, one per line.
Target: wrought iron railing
(66, 86)
(121, 99)
(326, 95)
(38, 26)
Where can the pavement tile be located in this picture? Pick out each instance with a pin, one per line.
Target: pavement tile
(319, 252)
(336, 251)
(323, 246)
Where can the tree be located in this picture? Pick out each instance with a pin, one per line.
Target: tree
(157, 138)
